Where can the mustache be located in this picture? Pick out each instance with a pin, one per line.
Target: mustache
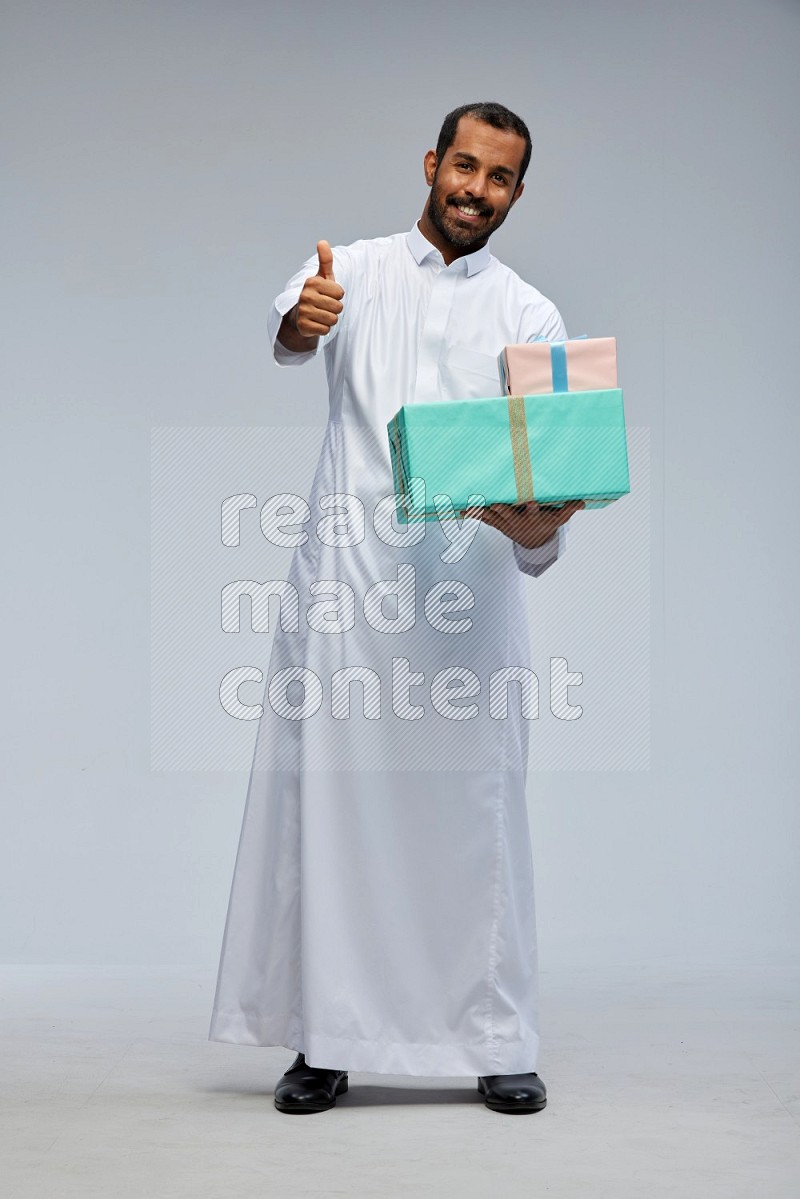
(482, 209)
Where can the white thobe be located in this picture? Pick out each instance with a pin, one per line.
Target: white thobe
(381, 915)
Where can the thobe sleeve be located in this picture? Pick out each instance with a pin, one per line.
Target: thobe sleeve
(536, 561)
(289, 297)
(552, 328)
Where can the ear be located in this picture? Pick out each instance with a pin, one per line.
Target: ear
(517, 194)
(430, 167)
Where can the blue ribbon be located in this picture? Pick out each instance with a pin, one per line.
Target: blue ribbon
(558, 361)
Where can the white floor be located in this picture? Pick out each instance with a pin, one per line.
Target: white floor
(683, 1084)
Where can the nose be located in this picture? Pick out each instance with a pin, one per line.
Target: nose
(477, 187)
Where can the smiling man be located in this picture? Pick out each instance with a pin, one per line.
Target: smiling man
(381, 915)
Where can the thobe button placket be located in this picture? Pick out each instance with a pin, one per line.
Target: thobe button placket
(427, 387)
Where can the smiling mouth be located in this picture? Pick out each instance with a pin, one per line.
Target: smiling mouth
(468, 212)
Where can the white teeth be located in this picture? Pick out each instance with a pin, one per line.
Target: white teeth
(468, 211)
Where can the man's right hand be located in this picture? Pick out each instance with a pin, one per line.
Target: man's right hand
(318, 308)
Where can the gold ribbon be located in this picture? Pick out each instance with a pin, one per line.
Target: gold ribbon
(520, 450)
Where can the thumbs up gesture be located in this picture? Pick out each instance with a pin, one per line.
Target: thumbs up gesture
(318, 308)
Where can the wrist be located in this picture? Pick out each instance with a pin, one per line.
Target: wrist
(289, 336)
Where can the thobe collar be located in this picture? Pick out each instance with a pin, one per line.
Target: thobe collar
(421, 248)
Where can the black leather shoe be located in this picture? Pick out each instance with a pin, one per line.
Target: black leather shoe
(513, 1092)
(305, 1088)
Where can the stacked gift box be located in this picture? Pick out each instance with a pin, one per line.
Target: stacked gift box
(557, 434)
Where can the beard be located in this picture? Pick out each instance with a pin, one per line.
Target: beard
(444, 217)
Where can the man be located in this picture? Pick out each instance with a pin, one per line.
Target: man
(382, 908)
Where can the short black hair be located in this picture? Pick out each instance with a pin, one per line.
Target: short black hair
(493, 114)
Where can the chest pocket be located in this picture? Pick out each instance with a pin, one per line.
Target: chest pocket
(469, 374)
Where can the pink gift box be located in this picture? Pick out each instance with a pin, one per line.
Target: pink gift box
(542, 367)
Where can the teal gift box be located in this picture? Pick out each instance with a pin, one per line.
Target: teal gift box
(551, 448)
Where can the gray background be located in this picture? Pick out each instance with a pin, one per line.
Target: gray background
(168, 166)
